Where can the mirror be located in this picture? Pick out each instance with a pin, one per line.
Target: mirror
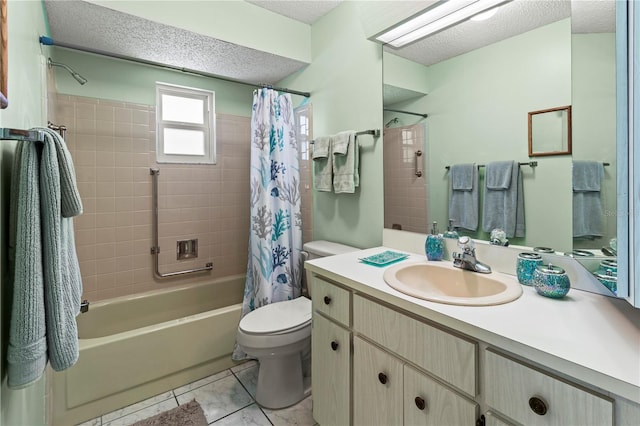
(550, 132)
(477, 100)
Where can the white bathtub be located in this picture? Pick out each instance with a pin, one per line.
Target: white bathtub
(132, 348)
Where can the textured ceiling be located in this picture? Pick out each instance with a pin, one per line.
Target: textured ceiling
(99, 28)
(307, 11)
(95, 27)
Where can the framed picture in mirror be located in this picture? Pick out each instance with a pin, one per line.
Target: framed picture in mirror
(550, 132)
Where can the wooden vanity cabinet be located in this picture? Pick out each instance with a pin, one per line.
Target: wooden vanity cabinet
(410, 371)
(331, 354)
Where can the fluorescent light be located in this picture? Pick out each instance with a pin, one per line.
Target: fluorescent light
(432, 20)
(484, 15)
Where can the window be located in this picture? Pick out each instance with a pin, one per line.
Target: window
(185, 129)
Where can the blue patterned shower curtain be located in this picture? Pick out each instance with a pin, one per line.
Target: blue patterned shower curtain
(274, 268)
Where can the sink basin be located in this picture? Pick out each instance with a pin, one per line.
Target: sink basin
(442, 283)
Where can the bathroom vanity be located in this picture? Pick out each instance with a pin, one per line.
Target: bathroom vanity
(381, 357)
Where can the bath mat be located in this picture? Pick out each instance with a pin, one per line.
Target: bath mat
(189, 414)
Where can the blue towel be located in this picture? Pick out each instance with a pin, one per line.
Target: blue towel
(498, 175)
(462, 176)
(463, 202)
(587, 175)
(588, 215)
(47, 286)
(503, 207)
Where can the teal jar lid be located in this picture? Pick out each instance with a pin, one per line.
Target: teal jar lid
(607, 276)
(529, 256)
(609, 263)
(550, 269)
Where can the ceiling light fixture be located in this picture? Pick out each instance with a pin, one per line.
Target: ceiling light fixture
(437, 18)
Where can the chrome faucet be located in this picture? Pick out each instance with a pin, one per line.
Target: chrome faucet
(467, 259)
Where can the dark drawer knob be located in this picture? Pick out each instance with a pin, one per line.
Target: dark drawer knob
(382, 378)
(420, 403)
(334, 345)
(327, 300)
(538, 406)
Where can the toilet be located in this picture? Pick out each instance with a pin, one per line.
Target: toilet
(279, 336)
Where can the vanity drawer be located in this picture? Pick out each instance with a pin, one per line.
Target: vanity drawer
(331, 300)
(532, 397)
(449, 357)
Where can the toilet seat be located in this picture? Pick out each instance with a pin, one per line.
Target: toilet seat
(278, 318)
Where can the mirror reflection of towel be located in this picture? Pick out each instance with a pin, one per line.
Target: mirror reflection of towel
(588, 216)
(463, 201)
(503, 207)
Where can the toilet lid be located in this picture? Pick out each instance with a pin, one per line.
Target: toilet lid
(277, 317)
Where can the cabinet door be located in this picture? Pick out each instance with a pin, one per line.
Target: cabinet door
(377, 386)
(330, 375)
(532, 397)
(427, 402)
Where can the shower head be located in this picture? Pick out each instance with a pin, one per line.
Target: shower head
(80, 79)
(392, 121)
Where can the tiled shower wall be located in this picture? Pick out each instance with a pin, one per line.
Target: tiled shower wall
(405, 194)
(113, 148)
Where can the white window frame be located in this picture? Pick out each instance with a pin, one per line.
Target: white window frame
(208, 127)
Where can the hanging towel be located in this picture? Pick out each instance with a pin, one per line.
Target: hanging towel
(503, 207)
(322, 163)
(463, 201)
(345, 162)
(588, 216)
(47, 286)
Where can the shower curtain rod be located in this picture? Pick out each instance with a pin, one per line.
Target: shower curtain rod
(49, 42)
(406, 112)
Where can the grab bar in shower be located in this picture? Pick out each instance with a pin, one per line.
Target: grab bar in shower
(155, 250)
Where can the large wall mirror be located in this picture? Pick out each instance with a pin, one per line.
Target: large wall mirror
(478, 86)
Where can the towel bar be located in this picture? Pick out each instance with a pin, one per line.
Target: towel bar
(375, 133)
(529, 163)
(21, 135)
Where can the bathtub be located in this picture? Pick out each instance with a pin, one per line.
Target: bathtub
(132, 348)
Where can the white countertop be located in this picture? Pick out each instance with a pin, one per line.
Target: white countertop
(589, 337)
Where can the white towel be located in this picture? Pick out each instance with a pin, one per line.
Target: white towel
(463, 201)
(322, 164)
(345, 163)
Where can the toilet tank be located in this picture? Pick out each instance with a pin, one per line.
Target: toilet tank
(318, 249)
(322, 248)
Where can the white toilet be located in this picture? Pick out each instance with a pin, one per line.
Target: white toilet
(279, 336)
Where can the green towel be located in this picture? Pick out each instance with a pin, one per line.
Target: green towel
(47, 285)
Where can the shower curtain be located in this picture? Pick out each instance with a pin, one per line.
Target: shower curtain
(274, 268)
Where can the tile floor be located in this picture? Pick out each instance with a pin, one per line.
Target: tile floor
(227, 399)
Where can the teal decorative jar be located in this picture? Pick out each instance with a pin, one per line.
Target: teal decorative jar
(434, 245)
(526, 265)
(609, 265)
(551, 281)
(609, 280)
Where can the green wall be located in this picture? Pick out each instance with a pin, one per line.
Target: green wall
(127, 81)
(345, 81)
(478, 104)
(26, 89)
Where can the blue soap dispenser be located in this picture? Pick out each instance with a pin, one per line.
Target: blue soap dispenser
(434, 246)
(451, 233)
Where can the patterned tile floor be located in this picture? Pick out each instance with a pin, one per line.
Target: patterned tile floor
(227, 399)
